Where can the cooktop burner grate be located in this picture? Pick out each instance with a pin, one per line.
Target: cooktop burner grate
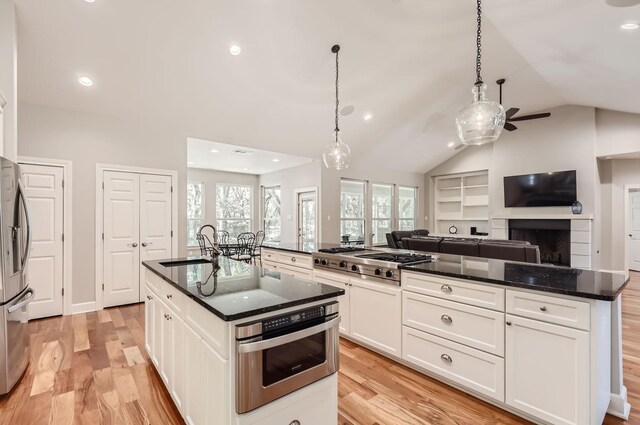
(397, 258)
(341, 250)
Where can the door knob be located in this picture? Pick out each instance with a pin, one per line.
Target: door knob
(143, 244)
(135, 244)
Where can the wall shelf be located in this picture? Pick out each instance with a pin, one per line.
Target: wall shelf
(462, 198)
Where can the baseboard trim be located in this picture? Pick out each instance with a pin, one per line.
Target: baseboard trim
(619, 406)
(83, 307)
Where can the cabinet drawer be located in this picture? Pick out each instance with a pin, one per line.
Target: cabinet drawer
(153, 281)
(465, 324)
(210, 328)
(298, 260)
(172, 297)
(298, 272)
(270, 265)
(475, 294)
(476, 370)
(560, 311)
(269, 254)
(332, 279)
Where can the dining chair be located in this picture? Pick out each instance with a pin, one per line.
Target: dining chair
(256, 252)
(223, 242)
(246, 243)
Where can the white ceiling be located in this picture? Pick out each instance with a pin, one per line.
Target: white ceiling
(222, 156)
(409, 62)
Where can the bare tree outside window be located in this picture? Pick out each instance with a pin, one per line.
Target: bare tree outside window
(195, 210)
(406, 208)
(352, 211)
(233, 208)
(382, 212)
(271, 206)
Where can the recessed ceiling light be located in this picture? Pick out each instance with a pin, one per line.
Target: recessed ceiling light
(85, 81)
(367, 117)
(235, 50)
(214, 151)
(275, 160)
(630, 26)
(450, 144)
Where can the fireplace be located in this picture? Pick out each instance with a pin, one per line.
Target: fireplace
(552, 236)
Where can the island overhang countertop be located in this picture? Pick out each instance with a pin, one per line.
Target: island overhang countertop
(235, 290)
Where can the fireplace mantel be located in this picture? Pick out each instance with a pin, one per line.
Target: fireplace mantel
(543, 217)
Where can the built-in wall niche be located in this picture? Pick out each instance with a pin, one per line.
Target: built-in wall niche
(462, 200)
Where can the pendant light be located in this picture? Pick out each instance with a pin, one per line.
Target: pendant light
(337, 154)
(482, 121)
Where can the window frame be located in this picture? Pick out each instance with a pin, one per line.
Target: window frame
(203, 209)
(251, 204)
(414, 219)
(263, 210)
(391, 220)
(366, 212)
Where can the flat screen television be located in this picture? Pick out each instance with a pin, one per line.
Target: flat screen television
(540, 190)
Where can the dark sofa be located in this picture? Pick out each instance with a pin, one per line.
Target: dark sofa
(487, 248)
(394, 239)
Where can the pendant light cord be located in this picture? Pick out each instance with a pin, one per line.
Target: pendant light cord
(336, 50)
(479, 45)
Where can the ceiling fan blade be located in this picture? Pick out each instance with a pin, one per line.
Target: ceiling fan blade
(509, 127)
(511, 112)
(531, 117)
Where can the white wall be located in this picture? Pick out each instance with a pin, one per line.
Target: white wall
(211, 178)
(8, 78)
(87, 139)
(617, 133)
(330, 192)
(300, 177)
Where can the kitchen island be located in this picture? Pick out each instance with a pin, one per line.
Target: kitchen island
(199, 319)
(543, 342)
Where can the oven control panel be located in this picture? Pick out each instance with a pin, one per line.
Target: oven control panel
(291, 319)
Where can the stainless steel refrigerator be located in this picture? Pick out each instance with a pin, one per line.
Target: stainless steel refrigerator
(15, 294)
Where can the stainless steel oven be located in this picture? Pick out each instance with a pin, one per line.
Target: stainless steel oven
(282, 354)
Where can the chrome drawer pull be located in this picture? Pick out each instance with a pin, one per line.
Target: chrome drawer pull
(149, 297)
(169, 296)
(508, 323)
(447, 358)
(446, 288)
(543, 308)
(446, 319)
(293, 259)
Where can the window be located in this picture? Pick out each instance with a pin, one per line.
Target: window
(352, 211)
(407, 208)
(271, 204)
(195, 210)
(381, 212)
(233, 208)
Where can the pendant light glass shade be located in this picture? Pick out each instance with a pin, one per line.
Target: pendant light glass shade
(337, 154)
(482, 121)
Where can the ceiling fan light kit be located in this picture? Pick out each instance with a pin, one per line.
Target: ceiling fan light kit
(337, 154)
(483, 120)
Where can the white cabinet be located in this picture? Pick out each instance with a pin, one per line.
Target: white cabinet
(339, 281)
(548, 371)
(149, 322)
(376, 314)
(205, 382)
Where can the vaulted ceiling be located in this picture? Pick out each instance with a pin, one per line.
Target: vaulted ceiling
(410, 63)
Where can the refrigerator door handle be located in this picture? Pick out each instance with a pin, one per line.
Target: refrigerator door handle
(27, 252)
(24, 301)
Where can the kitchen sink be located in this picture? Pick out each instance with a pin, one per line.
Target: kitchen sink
(184, 262)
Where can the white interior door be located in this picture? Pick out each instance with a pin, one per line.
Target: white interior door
(155, 220)
(307, 220)
(44, 192)
(121, 226)
(634, 230)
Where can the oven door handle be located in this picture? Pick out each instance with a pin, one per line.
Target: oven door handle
(251, 347)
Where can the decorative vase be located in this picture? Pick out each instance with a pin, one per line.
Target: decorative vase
(576, 208)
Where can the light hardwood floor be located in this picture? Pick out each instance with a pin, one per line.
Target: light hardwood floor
(92, 369)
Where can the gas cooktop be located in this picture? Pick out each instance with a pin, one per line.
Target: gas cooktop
(396, 258)
(341, 250)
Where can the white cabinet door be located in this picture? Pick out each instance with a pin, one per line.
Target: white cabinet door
(341, 282)
(158, 318)
(121, 237)
(43, 189)
(375, 315)
(149, 322)
(155, 219)
(547, 370)
(165, 344)
(205, 382)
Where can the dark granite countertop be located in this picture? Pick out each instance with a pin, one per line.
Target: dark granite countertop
(238, 290)
(293, 247)
(560, 280)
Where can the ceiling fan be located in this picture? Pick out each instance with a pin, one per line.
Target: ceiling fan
(512, 111)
